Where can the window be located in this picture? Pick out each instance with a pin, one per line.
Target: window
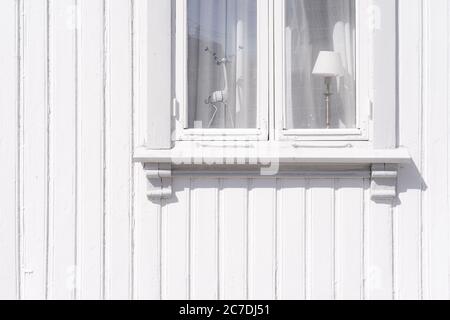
(222, 64)
(320, 33)
(222, 69)
(270, 70)
(321, 70)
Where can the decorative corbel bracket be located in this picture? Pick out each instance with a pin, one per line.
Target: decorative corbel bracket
(159, 177)
(384, 182)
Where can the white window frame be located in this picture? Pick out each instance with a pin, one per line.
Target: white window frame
(272, 14)
(158, 86)
(362, 63)
(183, 132)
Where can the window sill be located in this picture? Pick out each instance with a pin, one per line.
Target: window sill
(196, 157)
(263, 153)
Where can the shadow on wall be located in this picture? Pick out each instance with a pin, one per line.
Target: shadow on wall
(409, 178)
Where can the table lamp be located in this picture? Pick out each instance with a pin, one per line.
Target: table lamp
(328, 66)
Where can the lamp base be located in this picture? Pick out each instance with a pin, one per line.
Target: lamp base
(328, 95)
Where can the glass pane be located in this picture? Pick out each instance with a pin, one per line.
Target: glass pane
(222, 64)
(320, 64)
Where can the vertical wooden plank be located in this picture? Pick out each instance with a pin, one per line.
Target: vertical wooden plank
(448, 114)
(175, 245)
(349, 239)
(321, 232)
(9, 244)
(147, 242)
(233, 239)
(34, 149)
(147, 239)
(367, 191)
(379, 247)
(119, 130)
(291, 239)
(63, 150)
(262, 240)
(147, 235)
(90, 149)
(408, 213)
(436, 150)
(204, 239)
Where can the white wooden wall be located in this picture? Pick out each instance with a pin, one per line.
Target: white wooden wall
(75, 222)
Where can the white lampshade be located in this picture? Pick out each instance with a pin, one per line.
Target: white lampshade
(329, 64)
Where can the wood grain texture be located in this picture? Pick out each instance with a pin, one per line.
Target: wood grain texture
(119, 146)
(91, 162)
(147, 235)
(75, 222)
(175, 261)
(233, 233)
(262, 239)
(436, 150)
(408, 212)
(34, 149)
(321, 239)
(204, 278)
(349, 241)
(379, 246)
(147, 242)
(63, 75)
(291, 239)
(9, 145)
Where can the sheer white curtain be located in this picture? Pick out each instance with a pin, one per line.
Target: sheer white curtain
(313, 26)
(216, 30)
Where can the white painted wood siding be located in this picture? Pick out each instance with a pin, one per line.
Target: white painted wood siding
(75, 222)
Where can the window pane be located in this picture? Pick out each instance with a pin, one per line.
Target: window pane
(313, 26)
(222, 63)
